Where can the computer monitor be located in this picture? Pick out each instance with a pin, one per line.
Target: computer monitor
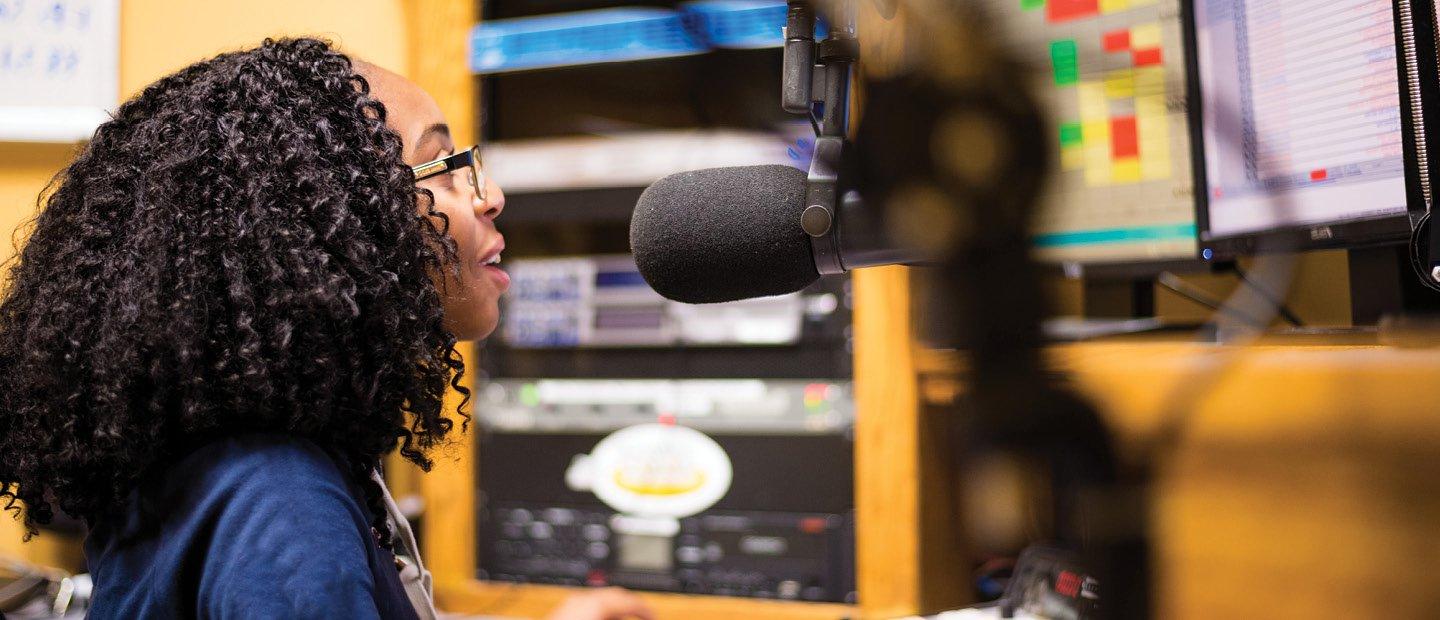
(1112, 77)
(1303, 126)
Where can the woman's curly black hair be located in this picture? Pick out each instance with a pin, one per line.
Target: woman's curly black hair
(239, 249)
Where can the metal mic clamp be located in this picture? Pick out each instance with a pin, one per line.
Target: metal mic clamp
(808, 88)
(799, 59)
(819, 217)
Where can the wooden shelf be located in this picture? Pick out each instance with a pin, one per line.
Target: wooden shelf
(531, 601)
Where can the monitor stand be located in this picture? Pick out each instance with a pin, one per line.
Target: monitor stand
(1126, 290)
(1124, 298)
(1383, 283)
(1119, 299)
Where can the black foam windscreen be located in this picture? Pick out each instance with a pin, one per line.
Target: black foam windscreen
(723, 234)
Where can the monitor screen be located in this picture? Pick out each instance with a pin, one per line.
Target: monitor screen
(1112, 76)
(1300, 115)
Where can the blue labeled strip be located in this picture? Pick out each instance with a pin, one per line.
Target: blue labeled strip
(618, 279)
(740, 24)
(581, 38)
(1134, 234)
(626, 34)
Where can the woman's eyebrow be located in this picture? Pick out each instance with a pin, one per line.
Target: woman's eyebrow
(438, 130)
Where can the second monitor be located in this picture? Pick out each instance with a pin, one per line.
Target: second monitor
(1112, 78)
(1311, 122)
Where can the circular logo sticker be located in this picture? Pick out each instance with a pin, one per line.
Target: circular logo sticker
(654, 470)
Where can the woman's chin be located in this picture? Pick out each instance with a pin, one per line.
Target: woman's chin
(477, 325)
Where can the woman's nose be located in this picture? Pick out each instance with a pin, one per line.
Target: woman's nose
(494, 201)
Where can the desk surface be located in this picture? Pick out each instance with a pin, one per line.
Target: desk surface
(1304, 480)
(535, 601)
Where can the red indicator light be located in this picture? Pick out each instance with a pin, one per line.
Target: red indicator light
(1067, 584)
(814, 395)
(812, 525)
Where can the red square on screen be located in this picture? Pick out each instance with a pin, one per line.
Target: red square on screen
(1145, 58)
(1124, 139)
(1318, 175)
(1116, 41)
(1066, 10)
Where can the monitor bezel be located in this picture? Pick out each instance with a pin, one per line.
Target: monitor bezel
(1364, 232)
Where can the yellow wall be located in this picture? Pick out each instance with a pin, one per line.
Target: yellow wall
(158, 37)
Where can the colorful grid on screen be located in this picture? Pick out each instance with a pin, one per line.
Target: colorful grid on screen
(1058, 11)
(1111, 73)
(1121, 134)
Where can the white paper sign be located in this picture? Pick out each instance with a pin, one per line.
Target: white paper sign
(59, 68)
(659, 471)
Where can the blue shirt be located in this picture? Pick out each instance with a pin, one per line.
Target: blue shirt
(258, 526)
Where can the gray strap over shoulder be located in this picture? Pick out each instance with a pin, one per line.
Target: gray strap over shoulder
(419, 585)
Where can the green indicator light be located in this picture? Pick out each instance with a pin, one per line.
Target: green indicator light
(1065, 59)
(1071, 134)
(1031, 5)
(529, 395)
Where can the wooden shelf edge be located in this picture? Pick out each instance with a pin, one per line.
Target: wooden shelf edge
(535, 601)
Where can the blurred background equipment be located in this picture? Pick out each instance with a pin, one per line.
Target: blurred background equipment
(782, 530)
(584, 105)
(31, 592)
(955, 150)
(602, 301)
(587, 349)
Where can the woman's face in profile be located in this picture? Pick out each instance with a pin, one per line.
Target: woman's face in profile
(472, 302)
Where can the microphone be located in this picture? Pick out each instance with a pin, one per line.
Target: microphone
(725, 234)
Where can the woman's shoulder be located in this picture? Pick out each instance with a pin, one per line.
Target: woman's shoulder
(261, 492)
(251, 522)
(260, 454)
(262, 470)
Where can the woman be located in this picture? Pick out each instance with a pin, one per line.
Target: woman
(244, 292)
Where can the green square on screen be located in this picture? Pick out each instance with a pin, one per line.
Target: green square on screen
(1070, 134)
(1065, 60)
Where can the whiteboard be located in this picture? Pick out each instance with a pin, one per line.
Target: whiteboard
(59, 68)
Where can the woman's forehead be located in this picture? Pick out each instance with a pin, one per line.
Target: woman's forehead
(409, 109)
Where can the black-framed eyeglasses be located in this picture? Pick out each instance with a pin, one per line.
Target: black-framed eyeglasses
(468, 160)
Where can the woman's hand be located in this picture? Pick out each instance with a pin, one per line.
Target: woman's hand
(606, 604)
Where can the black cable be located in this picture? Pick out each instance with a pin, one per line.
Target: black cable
(1279, 305)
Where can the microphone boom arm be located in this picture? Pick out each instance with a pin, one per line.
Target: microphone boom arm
(802, 80)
